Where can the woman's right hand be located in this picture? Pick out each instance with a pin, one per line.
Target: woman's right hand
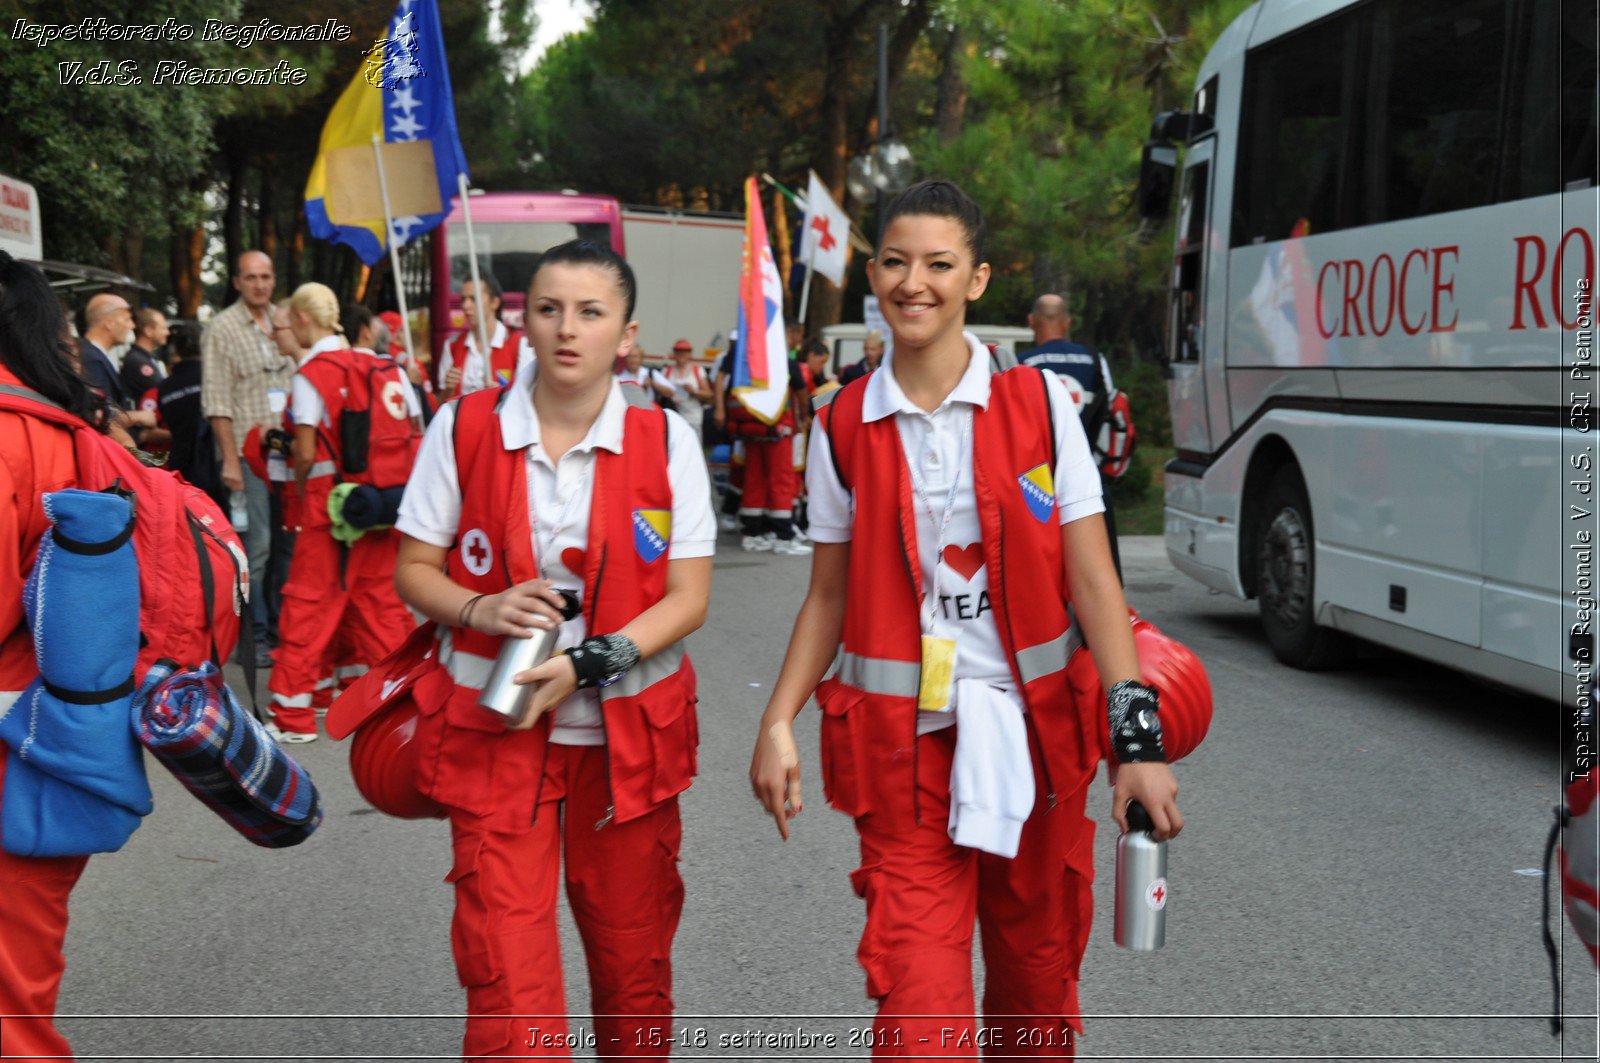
(521, 611)
(775, 773)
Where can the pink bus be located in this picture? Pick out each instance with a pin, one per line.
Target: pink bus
(511, 230)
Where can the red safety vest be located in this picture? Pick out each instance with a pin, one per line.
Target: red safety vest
(502, 359)
(326, 373)
(869, 727)
(466, 759)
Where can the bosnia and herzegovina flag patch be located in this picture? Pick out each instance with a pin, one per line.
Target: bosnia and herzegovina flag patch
(1039, 491)
(651, 530)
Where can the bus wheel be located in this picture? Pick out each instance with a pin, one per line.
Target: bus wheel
(1286, 578)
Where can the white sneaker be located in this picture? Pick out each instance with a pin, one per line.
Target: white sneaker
(791, 548)
(728, 523)
(289, 738)
(755, 543)
(801, 537)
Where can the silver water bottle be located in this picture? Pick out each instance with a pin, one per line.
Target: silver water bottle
(502, 696)
(1141, 885)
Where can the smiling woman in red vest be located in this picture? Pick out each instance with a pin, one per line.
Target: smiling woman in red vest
(520, 492)
(956, 512)
(462, 369)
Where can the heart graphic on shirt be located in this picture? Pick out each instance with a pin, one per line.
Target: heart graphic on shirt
(966, 560)
(574, 559)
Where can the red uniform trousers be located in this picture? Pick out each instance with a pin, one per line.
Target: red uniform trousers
(923, 893)
(626, 896)
(770, 487)
(32, 932)
(319, 601)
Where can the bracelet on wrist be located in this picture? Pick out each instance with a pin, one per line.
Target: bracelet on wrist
(464, 614)
(1133, 714)
(601, 660)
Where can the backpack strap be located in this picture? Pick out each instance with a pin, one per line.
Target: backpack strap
(840, 413)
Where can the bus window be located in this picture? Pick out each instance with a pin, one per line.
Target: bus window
(1186, 318)
(1293, 133)
(1579, 72)
(508, 250)
(1434, 107)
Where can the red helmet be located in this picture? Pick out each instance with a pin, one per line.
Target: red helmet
(383, 762)
(255, 454)
(381, 709)
(1178, 677)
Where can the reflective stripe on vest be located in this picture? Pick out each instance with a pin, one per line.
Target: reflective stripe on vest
(876, 675)
(1047, 658)
(322, 468)
(472, 670)
(467, 669)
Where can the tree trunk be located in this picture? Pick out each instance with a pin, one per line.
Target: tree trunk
(950, 110)
(268, 210)
(188, 248)
(233, 214)
(833, 155)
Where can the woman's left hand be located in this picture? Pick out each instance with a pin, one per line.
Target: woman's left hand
(1154, 787)
(557, 680)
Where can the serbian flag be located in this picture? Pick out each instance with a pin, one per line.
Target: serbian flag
(402, 94)
(760, 364)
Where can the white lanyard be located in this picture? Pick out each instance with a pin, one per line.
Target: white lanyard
(963, 453)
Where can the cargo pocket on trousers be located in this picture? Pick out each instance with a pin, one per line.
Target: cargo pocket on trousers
(840, 772)
(473, 933)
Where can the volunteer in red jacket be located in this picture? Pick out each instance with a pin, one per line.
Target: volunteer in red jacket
(955, 514)
(332, 587)
(35, 457)
(564, 479)
(462, 369)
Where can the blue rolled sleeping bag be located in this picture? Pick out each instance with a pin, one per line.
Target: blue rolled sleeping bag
(75, 781)
(372, 507)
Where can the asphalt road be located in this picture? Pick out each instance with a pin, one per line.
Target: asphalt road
(1352, 883)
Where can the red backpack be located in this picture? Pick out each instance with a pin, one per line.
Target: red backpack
(378, 441)
(194, 577)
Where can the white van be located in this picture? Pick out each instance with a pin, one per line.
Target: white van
(846, 341)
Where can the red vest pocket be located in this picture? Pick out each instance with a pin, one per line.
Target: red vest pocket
(840, 769)
(673, 736)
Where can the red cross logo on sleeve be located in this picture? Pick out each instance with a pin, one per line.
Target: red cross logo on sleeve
(826, 241)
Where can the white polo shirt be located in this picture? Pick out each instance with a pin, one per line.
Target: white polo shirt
(933, 448)
(559, 495)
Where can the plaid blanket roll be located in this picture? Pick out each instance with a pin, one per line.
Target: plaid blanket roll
(196, 728)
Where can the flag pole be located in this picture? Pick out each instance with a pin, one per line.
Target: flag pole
(472, 259)
(394, 250)
(805, 292)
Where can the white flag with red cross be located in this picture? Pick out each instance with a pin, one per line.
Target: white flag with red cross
(827, 233)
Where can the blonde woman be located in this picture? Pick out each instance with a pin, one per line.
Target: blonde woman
(332, 585)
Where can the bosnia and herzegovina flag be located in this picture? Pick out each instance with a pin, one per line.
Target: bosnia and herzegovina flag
(402, 93)
(761, 364)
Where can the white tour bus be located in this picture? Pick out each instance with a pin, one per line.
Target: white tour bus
(1387, 214)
